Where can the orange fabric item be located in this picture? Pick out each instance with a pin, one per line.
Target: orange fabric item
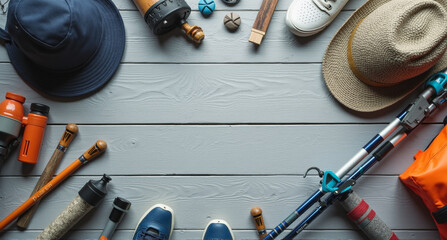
(427, 177)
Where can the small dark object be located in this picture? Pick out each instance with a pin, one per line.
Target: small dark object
(232, 21)
(120, 207)
(231, 2)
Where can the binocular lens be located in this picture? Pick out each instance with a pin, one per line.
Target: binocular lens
(40, 109)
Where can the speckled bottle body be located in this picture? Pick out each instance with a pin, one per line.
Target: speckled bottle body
(66, 220)
(88, 198)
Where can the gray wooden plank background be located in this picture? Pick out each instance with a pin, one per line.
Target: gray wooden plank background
(216, 129)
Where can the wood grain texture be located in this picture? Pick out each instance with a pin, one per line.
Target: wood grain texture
(45, 177)
(182, 234)
(200, 93)
(198, 150)
(265, 14)
(220, 45)
(186, 124)
(198, 199)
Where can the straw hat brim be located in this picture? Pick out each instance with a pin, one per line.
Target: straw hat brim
(351, 91)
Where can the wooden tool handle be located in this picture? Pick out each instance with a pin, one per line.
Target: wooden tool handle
(99, 147)
(69, 134)
(144, 5)
(256, 213)
(195, 33)
(262, 21)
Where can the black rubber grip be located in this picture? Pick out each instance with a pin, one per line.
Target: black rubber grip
(383, 150)
(122, 205)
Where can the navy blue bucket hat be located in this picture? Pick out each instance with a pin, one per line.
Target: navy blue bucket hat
(64, 48)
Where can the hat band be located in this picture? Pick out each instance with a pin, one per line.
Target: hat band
(354, 68)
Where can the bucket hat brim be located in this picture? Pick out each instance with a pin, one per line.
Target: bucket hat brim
(351, 91)
(86, 80)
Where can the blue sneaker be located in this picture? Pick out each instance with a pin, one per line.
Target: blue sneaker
(218, 230)
(156, 224)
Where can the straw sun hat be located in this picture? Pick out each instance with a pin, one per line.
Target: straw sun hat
(386, 49)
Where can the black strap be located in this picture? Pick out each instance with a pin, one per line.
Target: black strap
(441, 215)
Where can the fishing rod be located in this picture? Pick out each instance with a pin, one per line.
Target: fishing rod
(433, 96)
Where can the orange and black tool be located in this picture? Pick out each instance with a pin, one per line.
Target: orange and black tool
(164, 15)
(12, 120)
(93, 152)
(256, 213)
(69, 134)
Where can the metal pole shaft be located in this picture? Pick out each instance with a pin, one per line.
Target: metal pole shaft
(377, 156)
(367, 149)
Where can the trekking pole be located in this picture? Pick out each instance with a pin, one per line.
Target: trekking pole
(350, 181)
(375, 229)
(433, 96)
(357, 158)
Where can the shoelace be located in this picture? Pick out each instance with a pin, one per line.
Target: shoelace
(326, 4)
(150, 235)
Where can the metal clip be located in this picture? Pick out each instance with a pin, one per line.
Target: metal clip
(417, 111)
(344, 187)
(320, 173)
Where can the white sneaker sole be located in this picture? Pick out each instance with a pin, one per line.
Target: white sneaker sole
(167, 208)
(301, 33)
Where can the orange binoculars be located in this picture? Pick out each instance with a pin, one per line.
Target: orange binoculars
(12, 120)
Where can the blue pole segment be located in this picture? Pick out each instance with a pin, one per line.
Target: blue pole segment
(382, 151)
(366, 150)
(371, 145)
(330, 200)
(402, 115)
(303, 224)
(294, 215)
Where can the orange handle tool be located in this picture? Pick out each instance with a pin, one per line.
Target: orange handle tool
(69, 134)
(256, 213)
(98, 148)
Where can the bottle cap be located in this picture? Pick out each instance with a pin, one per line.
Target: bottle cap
(94, 191)
(15, 96)
(122, 203)
(120, 207)
(40, 109)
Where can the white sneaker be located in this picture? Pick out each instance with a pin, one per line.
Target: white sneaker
(308, 17)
